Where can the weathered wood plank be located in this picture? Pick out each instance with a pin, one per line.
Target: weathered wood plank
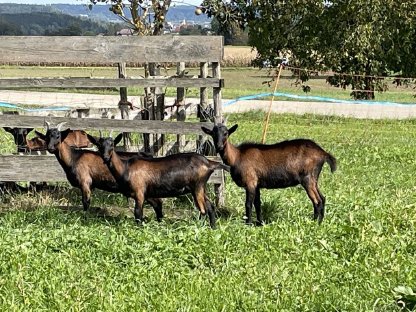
(31, 168)
(85, 82)
(14, 168)
(110, 49)
(140, 126)
(216, 94)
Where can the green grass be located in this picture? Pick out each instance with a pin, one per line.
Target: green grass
(238, 82)
(56, 257)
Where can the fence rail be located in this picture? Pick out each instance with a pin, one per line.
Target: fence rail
(109, 82)
(45, 168)
(110, 50)
(118, 125)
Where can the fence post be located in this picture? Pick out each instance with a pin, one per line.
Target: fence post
(180, 105)
(124, 105)
(216, 73)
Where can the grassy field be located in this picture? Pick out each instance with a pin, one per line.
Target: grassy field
(238, 82)
(56, 257)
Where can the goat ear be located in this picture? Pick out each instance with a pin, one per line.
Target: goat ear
(206, 130)
(29, 130)
(232, 129)
(118, 139)
(8, 129)
(64, 134)
(92, 139)
(40, 135)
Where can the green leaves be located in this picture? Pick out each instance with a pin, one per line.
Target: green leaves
(353, 38)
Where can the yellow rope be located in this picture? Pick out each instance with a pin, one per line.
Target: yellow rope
(270, 106)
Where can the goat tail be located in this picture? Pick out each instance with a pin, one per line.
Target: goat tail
(332, 162)
(219, 165)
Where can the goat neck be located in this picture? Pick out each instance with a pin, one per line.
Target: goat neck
(229, 154)
(116, 165)
(64, 153)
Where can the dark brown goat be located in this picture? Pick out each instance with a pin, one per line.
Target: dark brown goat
(85, 169)
(75, 138)
(169, 176)
(288, 163)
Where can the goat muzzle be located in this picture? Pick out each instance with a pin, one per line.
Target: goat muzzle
(51, 148)
(107, 158)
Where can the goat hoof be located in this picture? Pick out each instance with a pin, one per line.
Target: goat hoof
(259, 223)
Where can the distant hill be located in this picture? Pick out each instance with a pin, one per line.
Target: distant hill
(51, 24)
(75, 20)
(39, 20)
(177, 13)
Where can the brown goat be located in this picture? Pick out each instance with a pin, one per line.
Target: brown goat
(85, 169)
(75, 138)
(288, 163)
(169, 176)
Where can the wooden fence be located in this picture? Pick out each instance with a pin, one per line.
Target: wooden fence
(117, 51)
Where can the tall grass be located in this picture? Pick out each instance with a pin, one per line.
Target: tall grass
(56, 257)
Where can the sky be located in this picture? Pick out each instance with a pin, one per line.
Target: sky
(178, 2)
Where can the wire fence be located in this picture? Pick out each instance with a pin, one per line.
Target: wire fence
(314, 105)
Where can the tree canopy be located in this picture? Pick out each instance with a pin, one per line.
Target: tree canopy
(358, 40)
(146, 17)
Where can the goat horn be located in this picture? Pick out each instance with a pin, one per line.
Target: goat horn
(224, 121)
(101, 133)
(48, 125)
(111, 134)
(59, 126)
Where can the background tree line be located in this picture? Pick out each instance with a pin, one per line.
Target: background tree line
(360, 41)
(52, 24)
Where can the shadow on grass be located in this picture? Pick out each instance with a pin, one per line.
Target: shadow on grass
(174, 217)
(105, 208)
(272, 211)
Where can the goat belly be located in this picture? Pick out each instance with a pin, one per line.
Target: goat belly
(108, 186)
(163, 191)
(72, 180)
(71, 176)
(278, 181)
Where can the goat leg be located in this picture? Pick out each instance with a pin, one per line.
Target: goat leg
(250, 194)
(156, 203)
(321, 208)
(138, 210)
(86, 197)
(318, 201)
(211, 213)
(257, 205)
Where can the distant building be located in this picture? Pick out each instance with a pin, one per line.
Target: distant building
(125, 32)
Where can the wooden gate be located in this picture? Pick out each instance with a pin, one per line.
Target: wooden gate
(109, 51)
